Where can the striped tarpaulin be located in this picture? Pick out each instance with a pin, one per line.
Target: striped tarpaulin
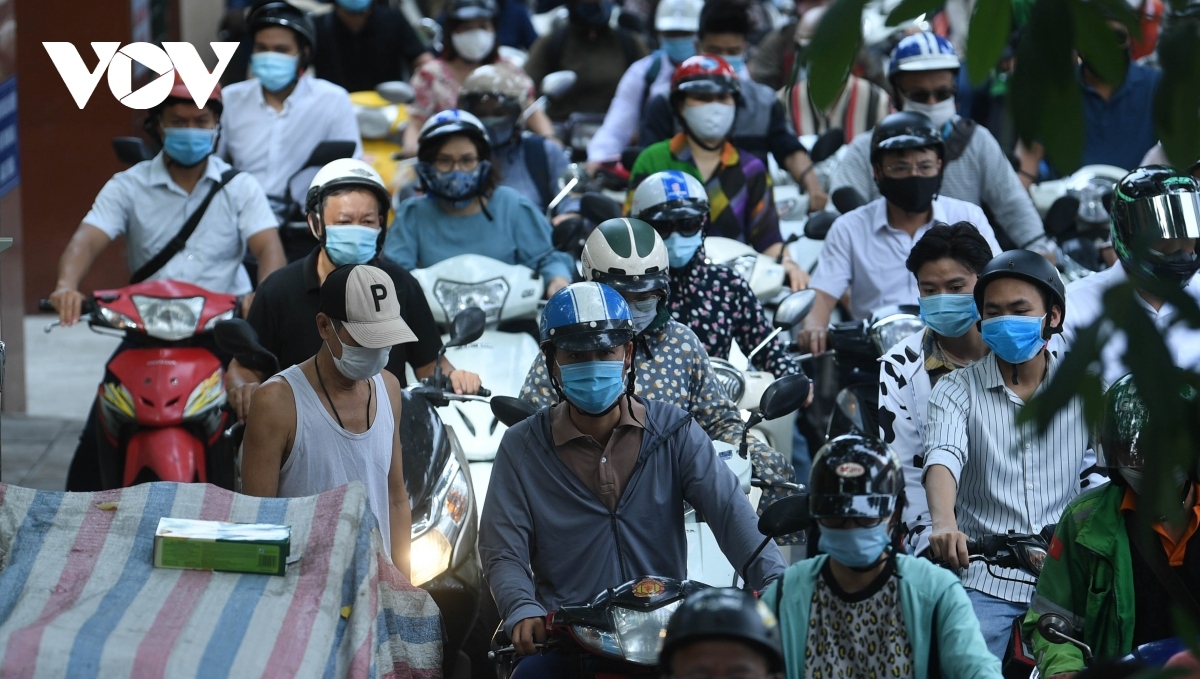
(79, 596)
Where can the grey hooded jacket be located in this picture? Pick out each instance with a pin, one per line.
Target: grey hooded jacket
(540, 515)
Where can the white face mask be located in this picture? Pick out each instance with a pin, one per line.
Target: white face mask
(709, 122)
(939, 113)
(475, 44)
(360, 363)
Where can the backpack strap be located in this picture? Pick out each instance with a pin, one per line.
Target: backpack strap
(960, 136)
(628, 46)
(176, 245)
(538, 165)
(650, 77)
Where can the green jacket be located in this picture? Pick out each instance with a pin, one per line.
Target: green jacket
(926, 590)
(1088, 579)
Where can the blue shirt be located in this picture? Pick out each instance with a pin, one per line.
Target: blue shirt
(517, 233)
(513, 163)
(1121, 130)
(514, 27)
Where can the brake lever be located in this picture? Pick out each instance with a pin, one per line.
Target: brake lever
(51, 326)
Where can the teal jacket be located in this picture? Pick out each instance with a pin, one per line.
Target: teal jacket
(926, 590)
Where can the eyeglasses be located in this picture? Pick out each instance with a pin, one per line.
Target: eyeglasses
(926, 168)
(928, 96)
(448, 163)
(685, 227)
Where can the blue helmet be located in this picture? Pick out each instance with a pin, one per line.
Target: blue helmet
(922, 52)
(586, 317)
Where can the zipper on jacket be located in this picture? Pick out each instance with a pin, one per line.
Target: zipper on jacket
(617, 539)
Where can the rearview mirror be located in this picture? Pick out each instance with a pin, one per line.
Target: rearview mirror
(328, 151)
(818, 225)
(558, 83)
(794, 308)
(785, 395)
(396, 91)
(511, 410)
(131, 150)
(597, 207)
(846, 199)
(1053, 627)
(1060, 218)
(468, 327)
(827, 144)
(238, 338)
(785, 516)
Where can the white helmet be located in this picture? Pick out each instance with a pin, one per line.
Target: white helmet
(342, 174)
(627, 255)
(678, 15)
(670, 195)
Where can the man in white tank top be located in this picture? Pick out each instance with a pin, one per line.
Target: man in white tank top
(332, 419)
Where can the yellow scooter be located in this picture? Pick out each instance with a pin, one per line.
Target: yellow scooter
(382, 116)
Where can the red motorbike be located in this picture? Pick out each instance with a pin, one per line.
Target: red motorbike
(160, 408)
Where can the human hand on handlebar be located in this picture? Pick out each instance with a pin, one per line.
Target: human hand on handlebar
(239, 399)
(797, 277)
(948, 546)
(464, 382)
(528, 632)
(68, 302)
(815, 340)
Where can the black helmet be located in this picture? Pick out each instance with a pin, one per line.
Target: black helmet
(450, 122)
(726, 615)
(1125, 417)
(286, 15)
(906, 130)
(855, 476)
(1150, 203)
(1028, 266)
(469, 10)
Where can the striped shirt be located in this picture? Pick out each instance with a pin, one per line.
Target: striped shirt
(1009, 477)
(858, 107)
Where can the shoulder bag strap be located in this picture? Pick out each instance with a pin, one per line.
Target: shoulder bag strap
(176, 245)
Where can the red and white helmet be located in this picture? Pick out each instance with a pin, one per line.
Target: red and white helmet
(704, 74)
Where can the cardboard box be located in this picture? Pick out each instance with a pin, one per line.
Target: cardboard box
(219, 546)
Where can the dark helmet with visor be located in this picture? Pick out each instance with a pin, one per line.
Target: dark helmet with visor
(1152, 203)
(855, 476)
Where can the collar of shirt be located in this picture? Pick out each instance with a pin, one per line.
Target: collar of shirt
(1175, 550)
(935, 358)
(160, 176)
(683, 153)
(880, 216)
(302, 90)
(992, 379)
(564, 430)
(1137, 77)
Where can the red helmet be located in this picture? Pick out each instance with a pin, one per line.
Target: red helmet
(704, 74)
(181, 91)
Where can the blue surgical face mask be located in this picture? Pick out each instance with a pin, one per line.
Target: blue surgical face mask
(949, 315)
(679, 49)
(593, 387)
(354, 6)
(1015, 339)
(643, 312)
(188, 146)
(274, 70)
(351, 244)
(456, 187)
(681, 249)
(855, 547)
(737, 62)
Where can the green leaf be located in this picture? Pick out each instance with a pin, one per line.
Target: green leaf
(833, 50)
(1072, 378)
(1120, 11)
(1046, 100)
(911, 9)
(1177, 101)
(1096, 43)
(991, 27)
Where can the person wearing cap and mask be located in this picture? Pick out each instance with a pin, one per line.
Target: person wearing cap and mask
(865, 249)
(676, 23)
(347, 207)
(923, 72)
(590, 46)
(335, 417)
(149, 204)
(275, 120)
(602, 468)
(470, 29)
(365, 43)
(1155, 224)
(986, 471)
(857, 108)
(672, 364)
(1106, 567)
(861, 608)
(722, 632)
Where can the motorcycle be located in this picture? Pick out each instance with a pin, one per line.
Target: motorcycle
(444, 557)
(1075, 212)
(159, 410)
(506, 293)
(382, 116)
(1055, 629)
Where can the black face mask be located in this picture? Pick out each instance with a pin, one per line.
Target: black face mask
(912, 194)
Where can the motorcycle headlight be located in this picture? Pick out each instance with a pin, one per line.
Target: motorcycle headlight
(598, 640)
(436, 533)
(118, 320)
(640, 633)
(744, 266)
(730, 378)
(212, 323)
(207, 395)
(488, 296)
(889, 330)
(169, 319)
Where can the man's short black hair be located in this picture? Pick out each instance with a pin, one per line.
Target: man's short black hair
(724, 16)
(961, 242)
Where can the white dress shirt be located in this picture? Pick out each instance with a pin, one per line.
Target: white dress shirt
(864, 253)
(1008, 476)
(624, 114)
(146, 206)
(272, 145)
(1085, 302)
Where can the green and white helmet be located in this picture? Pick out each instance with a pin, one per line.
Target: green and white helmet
(627, 255)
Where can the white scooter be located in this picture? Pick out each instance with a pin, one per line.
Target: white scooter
(1075, 212)
(505, 292)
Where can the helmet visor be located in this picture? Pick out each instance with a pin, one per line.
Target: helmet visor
(845, 505)
(1173, 215)
(709, 87)
(592, 336)
(490, 104)
(684, 226)
(626, 284)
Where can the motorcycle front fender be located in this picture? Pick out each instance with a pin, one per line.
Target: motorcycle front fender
(171, 453)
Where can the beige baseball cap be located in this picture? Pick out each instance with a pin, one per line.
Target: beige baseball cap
(364, 299)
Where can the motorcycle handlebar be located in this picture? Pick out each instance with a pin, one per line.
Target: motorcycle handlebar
(88, 306)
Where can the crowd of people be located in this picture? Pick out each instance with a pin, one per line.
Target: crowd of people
(627, 401)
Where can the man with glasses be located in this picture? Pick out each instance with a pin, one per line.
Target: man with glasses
(922, 72)
(866, 249)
